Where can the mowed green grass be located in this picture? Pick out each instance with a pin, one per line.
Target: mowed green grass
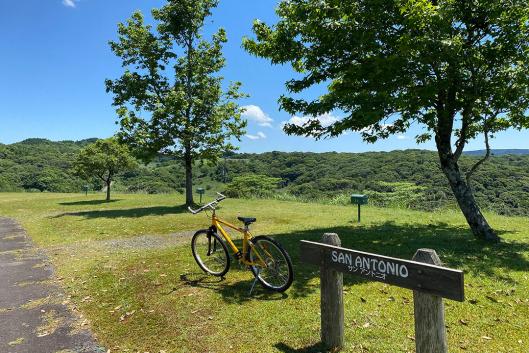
(139, 298)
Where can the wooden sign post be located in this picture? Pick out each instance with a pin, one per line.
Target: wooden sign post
(424, 275)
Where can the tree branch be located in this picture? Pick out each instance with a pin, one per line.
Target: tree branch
(476, 166)
(151, 82)
(461, 141)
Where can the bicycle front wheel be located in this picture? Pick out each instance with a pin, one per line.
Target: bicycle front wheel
(273, 267)
(210, 253)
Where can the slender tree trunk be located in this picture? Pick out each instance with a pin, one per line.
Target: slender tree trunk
(109, 181)
(465, 199)
(189, 176)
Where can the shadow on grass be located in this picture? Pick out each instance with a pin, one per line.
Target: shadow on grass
(456, 247)
(128, 213)
(315, 348)
(235, 292)
(88, 202)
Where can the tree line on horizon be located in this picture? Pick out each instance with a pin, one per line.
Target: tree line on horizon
(410, 178)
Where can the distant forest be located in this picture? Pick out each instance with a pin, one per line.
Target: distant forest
(410, 178)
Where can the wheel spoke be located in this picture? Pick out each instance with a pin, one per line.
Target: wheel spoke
(276, 272)
(210, 253)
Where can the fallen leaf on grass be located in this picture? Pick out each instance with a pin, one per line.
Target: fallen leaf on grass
(463, 322)
(127, 315)
(486, 338)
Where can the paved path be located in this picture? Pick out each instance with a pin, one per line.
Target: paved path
(34, 313)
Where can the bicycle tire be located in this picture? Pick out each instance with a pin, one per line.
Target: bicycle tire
(287, 262)
(223, 260)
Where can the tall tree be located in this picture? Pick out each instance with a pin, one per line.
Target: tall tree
(104, 159)
(170, 98)
(456, 67)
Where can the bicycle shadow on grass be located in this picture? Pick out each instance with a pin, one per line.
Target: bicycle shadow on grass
(232, 291)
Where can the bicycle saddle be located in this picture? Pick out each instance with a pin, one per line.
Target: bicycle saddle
(246, 220)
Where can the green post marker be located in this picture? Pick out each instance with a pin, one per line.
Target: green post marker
(86, 187)
(201, 192)
(359, 200)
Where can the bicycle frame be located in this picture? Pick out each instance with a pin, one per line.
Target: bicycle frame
(256, 252)
(217, 223)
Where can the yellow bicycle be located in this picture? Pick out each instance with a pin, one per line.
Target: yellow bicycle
(265, 257)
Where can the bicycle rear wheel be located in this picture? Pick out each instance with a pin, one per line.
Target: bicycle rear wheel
(276, 272)
(210, 253)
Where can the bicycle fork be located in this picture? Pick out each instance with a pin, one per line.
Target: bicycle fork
(209, 244)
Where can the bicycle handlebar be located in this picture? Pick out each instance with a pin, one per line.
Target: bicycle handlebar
(209, 205)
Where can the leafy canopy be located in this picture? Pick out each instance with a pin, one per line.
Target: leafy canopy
(170, 97)
(458, 67)
(103, 159)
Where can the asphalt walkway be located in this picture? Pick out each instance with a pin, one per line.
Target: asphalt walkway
(34, 312)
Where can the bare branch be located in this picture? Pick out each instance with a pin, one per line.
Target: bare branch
(462, 140)
(101, 176)
(476, 166)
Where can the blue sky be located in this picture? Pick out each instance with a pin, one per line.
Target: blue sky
(55, 57)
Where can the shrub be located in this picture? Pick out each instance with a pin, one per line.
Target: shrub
(252, 186)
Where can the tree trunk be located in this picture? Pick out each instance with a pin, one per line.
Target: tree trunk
(189, 177)
(108, 189)
(465, 199)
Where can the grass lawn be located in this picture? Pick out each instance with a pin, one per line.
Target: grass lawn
(136, 282)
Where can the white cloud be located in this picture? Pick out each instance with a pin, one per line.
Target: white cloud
(70, 3)
(255, 113)
(326, 119)
(259, 136)
(402, 137)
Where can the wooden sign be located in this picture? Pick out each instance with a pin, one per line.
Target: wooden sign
(436, 280)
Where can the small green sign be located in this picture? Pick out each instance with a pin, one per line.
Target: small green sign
(357, 199)
(201, 192)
